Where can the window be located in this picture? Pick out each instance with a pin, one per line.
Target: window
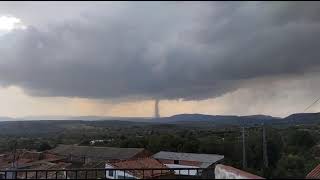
(111, 173)
(176, 162)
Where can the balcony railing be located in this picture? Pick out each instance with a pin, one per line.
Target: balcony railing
(110, 173)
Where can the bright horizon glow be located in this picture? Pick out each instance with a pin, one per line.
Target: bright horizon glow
(9, 23)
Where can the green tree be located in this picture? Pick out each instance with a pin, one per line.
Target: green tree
(290, 166)
(302, 139)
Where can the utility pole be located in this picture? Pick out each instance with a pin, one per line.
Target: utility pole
(265, 147)
(14, 154)
(244, 160)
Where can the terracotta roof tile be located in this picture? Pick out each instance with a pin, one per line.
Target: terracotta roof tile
(238, 172)
(314, 174)
(143, 163)
(94, 152)
(46, 166)
(19, 162)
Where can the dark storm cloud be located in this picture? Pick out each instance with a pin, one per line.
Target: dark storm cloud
(162, 50)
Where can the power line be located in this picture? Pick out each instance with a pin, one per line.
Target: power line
(312, 104)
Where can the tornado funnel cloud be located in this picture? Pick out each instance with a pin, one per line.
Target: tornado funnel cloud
(156, 109)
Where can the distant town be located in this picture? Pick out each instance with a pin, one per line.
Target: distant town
(119, 163)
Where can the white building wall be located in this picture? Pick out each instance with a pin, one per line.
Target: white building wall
(118, 174)
(183, 172)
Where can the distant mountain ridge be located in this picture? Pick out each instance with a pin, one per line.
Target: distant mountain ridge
(219, 119)
(2, 118)
(84, 118)
(303, 118)
(12, 126)
(296, 118)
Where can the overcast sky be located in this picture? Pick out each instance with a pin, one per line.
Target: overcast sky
(116, 58)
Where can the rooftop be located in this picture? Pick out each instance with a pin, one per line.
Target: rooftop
(206, 159)
(142, 163)
(25, 158)
(43, 165)
(105, 153)
(233, 173)
(314, 174)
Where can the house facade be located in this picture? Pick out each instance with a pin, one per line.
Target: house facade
(117, 174)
